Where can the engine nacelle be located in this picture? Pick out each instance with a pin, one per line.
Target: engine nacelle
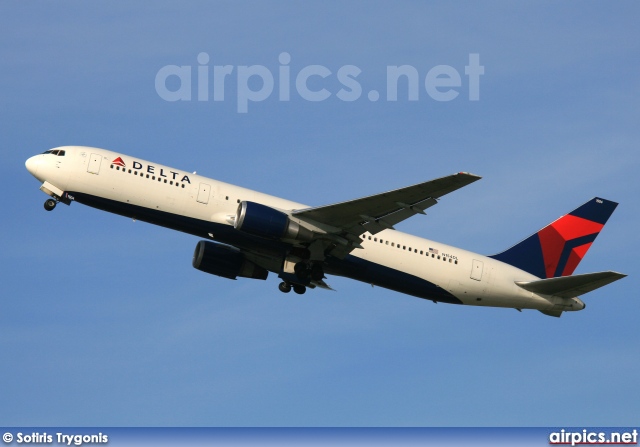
(263, 221)
(225, 261)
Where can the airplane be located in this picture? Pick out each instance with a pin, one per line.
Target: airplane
(248, 234)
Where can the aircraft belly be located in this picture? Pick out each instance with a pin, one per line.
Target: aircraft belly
(388, 277)
(223, 233)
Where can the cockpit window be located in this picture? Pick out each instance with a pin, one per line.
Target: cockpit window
(55, 152)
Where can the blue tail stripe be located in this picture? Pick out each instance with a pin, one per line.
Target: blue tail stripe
(527, 256)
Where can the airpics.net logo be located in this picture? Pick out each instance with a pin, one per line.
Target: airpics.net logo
(314, 83)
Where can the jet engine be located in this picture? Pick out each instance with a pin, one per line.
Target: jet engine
(225, 261)
(263, 221)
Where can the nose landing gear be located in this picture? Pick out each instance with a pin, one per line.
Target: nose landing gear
(50, 204)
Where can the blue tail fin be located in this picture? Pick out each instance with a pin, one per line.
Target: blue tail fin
(558, 248)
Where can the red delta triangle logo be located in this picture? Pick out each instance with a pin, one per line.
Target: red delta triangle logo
(565, 242)
(118, 161)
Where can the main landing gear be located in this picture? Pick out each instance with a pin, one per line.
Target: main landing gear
(285, 287)
(50, 204)
(303, 272)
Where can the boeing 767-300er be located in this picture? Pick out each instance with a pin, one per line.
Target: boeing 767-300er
(249, 234)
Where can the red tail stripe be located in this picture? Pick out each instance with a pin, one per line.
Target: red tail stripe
(571, 227)
(552, 244)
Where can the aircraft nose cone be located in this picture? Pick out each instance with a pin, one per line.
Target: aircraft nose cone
(32, 165)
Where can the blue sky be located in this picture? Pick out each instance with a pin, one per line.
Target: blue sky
(104, 321)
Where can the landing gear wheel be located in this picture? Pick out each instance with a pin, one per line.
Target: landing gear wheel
(50, 204)
(284, 287)
(317, 273)
(299, 289)
(301, 270)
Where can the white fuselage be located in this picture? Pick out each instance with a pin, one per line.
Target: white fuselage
(205, 207)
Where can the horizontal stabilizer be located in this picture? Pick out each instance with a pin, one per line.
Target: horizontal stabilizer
(571, 286)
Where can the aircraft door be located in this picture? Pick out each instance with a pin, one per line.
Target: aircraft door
(94, 164)
(476, 270)
(203, 193)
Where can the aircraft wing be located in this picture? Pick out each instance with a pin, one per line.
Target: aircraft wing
(382, 211)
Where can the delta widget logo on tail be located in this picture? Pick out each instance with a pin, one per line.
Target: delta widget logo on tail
(565, 242)
(558, 248)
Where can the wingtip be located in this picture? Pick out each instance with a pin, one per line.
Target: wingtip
(469, 174)
(620, 275)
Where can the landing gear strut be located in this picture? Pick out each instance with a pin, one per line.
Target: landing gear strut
(301, 270)
(50, 204)
(304, 271)
(317, 273)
